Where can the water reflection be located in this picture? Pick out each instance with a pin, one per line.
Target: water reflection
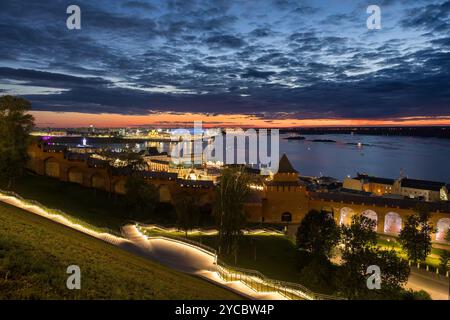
(422, 158)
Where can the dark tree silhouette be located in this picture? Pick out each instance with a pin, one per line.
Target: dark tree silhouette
(15, 127)
(415, 236)
(318, 233)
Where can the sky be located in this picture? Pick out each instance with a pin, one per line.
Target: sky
(263, 63)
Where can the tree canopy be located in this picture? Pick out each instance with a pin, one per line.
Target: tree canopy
(318, 233)
(231, 194)
(141, 197)
(415, 236)
(359, 253)
(187, 211)
(15, 127)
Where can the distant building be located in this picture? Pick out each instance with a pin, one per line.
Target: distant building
(422, 189)
(156, 161)
(376, 185)
(403, 187)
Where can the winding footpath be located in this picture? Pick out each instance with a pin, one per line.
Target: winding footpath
(193, 260)
(168, 252)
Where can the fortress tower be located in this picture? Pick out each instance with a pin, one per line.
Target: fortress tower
(285, 173)
(285, 197)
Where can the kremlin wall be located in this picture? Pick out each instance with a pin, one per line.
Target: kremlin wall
(280, 199)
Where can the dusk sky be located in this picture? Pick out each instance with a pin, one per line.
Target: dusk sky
(246, 62)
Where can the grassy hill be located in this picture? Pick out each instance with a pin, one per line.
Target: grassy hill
(35, 254)
(96, 207)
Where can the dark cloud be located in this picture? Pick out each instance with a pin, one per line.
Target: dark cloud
(140, 5)
(261, 32)
(225, 41)
(271, 58)
(432, 17)
(252, 73)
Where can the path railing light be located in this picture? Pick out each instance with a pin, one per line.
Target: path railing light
(251, 278)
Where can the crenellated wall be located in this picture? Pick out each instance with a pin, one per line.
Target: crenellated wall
(283, 200)
(55, 164)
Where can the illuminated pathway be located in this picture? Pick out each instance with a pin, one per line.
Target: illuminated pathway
(174, 254)
(107, 237)
(194, 260)
(186, 258)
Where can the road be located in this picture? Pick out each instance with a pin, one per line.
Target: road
(436, 285)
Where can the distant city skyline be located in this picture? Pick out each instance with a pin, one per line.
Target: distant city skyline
(171, 120)
(268, 63)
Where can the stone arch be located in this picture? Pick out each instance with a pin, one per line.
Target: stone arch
(286, 217)
(75, 175)
(392, 223)
(52, 167)
(346, 215)
(442, 227)
(164, 193)
(98, 181)
(371, 215)
(119, 186)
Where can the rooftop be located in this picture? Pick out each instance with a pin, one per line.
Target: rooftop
(375, 179)
(285, 165)
(422, 184)
(411, 204)
(153, 151)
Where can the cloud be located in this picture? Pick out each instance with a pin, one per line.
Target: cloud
(225, 41)
(252, 73)
(432, 17)
(139, 5)
(271, 58)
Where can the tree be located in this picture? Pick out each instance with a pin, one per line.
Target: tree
(357, 239)
(394, 270)
(444, 260)
(135, 161)
(359, 252)
(318, 233)
(187, 212)
(359, 235)
(140, 197)
(415, 237)
(415, 295)
(447, 236)
(15, 126)
(231, 194)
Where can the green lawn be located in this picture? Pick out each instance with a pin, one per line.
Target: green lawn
(35, 253)
(96, 207)
(274, 256)
(392, 243)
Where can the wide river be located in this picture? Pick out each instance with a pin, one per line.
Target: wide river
(383, 156)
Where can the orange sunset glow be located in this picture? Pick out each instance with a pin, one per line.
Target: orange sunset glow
(75, 119)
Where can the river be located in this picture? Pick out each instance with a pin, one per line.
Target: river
(383, 156)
